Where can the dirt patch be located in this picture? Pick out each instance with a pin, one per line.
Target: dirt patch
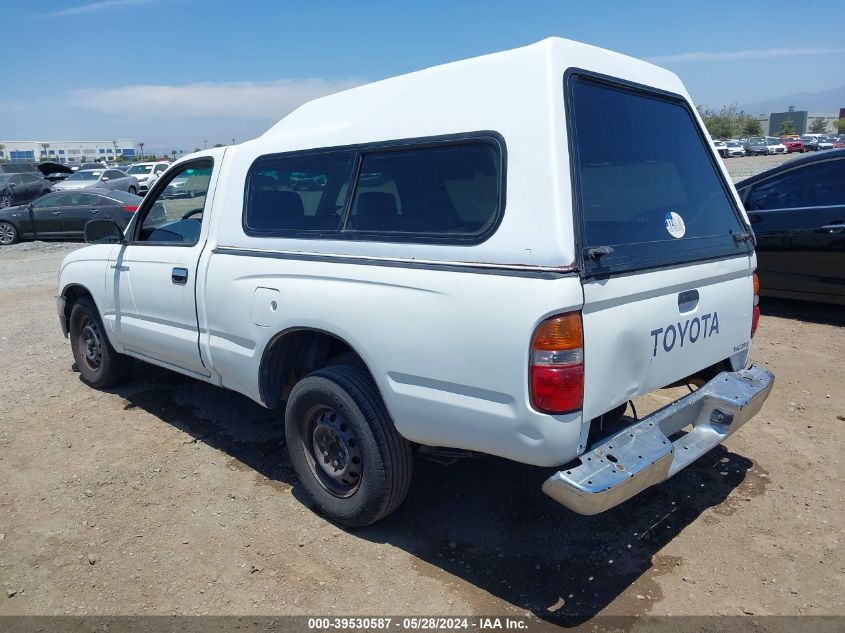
(171, 496)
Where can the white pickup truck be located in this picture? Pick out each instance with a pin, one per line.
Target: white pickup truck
(491, 255)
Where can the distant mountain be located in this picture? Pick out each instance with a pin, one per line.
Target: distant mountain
(815, 102)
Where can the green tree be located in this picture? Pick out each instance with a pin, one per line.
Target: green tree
(750, 126)
(839, 125)
(218, 145)
(173, 153)
(196, 149)
(787, 127)
(818, 126)
(728, 122)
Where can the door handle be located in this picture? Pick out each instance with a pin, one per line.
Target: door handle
(95, 211)
(179, 276)
(833, 228)
(56, 213)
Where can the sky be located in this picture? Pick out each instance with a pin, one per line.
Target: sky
(178, 74)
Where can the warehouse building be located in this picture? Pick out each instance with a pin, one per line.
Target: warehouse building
(802, 121)
(67, 152)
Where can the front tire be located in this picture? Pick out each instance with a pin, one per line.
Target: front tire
(346, 452)
(8, 234)
(132, 190)
(100, 366)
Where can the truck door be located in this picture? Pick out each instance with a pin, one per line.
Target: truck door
(665, 252)
(153, 276)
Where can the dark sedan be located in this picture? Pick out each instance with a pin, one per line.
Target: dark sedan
(63, 215)
(797, 211)
(21, 188)
(756, 146)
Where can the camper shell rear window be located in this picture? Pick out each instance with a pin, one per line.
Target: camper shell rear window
(647, 188)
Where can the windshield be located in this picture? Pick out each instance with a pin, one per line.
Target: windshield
(649, 187)
(85, 175)
(139, 169)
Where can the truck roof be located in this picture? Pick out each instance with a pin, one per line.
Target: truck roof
(487, 92)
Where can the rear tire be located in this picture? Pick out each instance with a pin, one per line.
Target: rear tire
(132, 190)
(346, 452)
(100, 366)
(8, 234)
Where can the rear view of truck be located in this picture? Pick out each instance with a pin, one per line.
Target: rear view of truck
(666, 259)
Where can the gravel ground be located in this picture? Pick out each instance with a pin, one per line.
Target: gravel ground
(169, 496)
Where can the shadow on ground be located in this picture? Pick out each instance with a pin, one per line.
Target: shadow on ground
(483, 520)
(824, 313)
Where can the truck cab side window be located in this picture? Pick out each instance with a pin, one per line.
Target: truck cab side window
(174, 216)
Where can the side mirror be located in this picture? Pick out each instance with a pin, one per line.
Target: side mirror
(12, 185)
(103, 232)
(105, 178)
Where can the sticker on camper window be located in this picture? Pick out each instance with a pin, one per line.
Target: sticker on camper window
(675, 224)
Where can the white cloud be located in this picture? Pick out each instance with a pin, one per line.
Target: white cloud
(96, 7)
(267, 100)
(770, 53)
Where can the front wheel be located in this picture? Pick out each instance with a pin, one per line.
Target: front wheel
(346, 452)
(100, 366)
(8, 234)
(5, 201)
(132, 190)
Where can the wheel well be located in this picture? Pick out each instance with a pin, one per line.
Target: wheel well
(293, 354)
(72, 294)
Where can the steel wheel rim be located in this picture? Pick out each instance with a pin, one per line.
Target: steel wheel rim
(7, 233)
(90, 344)
(332, 451)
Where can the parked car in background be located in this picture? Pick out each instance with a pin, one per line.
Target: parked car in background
(838, 142)
(21, 188)
(811, 143)
(54, 172)
(721, 148)
(825, 142)
(64, 214)
(756, 146)
(735, 148)
(793, 144)
(99, 178)
(147, 173)
(18, 168)
(94, 165)
(774, 146)
(797, 211)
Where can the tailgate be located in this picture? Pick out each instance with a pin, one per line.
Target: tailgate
(647, 330)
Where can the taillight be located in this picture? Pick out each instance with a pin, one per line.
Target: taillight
(755, 313)
(129, 208)
(557, 364)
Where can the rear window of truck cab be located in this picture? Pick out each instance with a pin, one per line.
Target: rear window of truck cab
(647, 188)
(413, 191)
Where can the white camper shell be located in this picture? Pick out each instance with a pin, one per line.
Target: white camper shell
(457, 258)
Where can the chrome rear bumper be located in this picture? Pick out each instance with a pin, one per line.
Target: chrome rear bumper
(642, 455)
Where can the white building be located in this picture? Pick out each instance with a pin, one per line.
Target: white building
(67, 151)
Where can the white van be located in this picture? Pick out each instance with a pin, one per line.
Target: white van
(490, 255)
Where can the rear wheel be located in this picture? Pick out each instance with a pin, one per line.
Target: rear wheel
(8, 234)
(132, 189)
(5, 201)
(346, 452)
(100, 366)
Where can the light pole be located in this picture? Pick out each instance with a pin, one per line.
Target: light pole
(205, 144)
(233, 141)
(141, 145)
